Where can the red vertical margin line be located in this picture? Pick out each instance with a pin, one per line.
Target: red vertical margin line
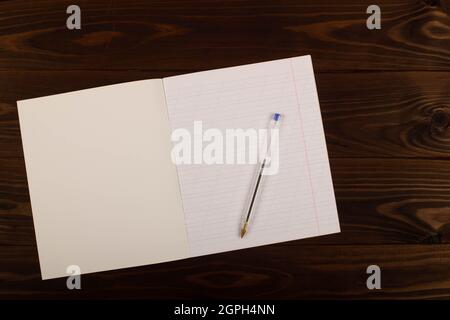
(304, 143)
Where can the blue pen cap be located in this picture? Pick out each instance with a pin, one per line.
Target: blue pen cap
(276, 116)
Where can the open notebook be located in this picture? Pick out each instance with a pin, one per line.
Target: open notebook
(105, 193)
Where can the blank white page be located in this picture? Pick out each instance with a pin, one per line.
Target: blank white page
(296, 203)
(104, 192)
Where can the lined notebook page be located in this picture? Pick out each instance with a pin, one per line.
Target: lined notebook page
(296, 203)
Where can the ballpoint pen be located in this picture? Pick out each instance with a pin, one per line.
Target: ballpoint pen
(274, 123)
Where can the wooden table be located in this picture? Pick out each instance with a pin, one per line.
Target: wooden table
(385, 99)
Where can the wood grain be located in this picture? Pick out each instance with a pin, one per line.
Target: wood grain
(386, 112)
(281, 271)
(177, 35)
(389, 114)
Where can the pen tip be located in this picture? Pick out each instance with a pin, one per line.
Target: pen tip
(243, 230)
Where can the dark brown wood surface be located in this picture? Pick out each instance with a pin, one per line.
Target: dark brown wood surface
(385, 99)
